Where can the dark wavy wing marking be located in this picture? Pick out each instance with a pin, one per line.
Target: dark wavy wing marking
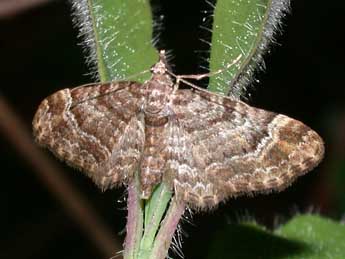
(221, 148)
(97, 128)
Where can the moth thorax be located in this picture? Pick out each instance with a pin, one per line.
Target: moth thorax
(157, 95)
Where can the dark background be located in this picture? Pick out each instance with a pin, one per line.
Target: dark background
(304, 79)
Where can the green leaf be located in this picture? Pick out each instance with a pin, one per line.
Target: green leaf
(118, 35)
(250, 241)
(305, 236)
(241, 28)
(325, 238)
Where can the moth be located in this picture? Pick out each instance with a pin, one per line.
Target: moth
(205, 147)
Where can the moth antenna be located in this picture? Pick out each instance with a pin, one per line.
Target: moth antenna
(96, 96)
(110, 82)
(179, 79)
(135, 75)
(201, 76)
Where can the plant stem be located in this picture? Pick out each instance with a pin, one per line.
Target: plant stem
(134, 227)
(155, 208)
(167, 230)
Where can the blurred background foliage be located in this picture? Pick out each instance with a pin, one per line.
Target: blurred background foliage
(304, 236)
(40, 53)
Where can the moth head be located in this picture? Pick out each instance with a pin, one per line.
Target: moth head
(161, 67)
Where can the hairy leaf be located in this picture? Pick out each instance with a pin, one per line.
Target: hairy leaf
(118, 36)
(242, 28)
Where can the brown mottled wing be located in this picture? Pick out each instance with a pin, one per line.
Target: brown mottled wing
(219, 148)
(97, 128)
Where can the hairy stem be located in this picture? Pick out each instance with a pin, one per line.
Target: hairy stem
(134, 227)
(167, 230)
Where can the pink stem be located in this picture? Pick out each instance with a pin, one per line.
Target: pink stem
(167, 230)
(134, 227)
